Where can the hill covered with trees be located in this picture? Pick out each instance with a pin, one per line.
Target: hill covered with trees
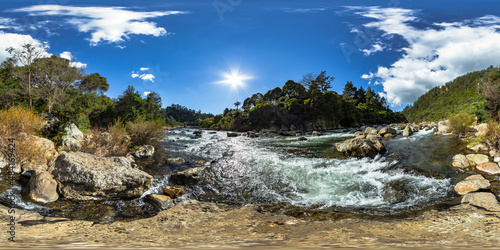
(476, 93)
(308, 105)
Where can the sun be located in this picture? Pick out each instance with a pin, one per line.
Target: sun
(235, 79)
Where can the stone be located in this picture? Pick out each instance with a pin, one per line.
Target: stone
(488, 168)
(387, 130)
(396, 191)
(198, 132)
(373, 136)
(471, 184)
(389, 136)
(83, 176)
(72, 138)
(3, 161)
(461, 161)
(145, 151)
(316, 133)
(360, 135)
(361, 147)
(160, 202)
(252, 134)
(478, 147)
(174, 191)
(43, 188)
(176, 161)
(302, 139)
(443, 127)
(232, 134)
(407, 131)
(477, 159)
(483, 200)
(51, 123)
(481, 129)
(370, 130)
(186, 177)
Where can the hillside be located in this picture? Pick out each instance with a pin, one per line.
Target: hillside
(464, 94)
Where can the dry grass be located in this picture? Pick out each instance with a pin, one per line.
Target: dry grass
(113, 142)
(144, 132)
(492, 136)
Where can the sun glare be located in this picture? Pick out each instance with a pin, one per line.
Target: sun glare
(235, 79)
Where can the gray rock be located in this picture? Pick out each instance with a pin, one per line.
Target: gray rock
(396, 191)
(232, 134)
(72, 138)
(408, 131)
(461, 161)
(186, 177)
(483, 200)
(302, 139)
(360, 147)
(43, 188)
(471, 184)
(477, 159)
(371, 130)
(160, 202)
(145, 151)
(387, 130)
(88, 177)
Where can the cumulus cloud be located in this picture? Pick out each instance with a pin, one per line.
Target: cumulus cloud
(16, 41)
(435, 55)
(145, 77)
(105, 24)
(144, 69)
(68, 55)
(6, 23)
(375, 48)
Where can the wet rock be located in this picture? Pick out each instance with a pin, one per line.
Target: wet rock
(198, 132)
(287, 133)
(302, 139)
(361, 147)
(316, 133)
(72, 138)
(252, 134)
(360, 135)
(84, 176)
(145, 151)
(43, 188)
(389, 136)
(160, 202)
(232, 134)
(488, 168)
(408, 131)
(370, 130)
(472, 184)
(461, 161)
(387, 130)
(483, 200)
(174, 191)
(176, 161)
(186, 177)
(396, 191)
(373, 136)
(477, 159)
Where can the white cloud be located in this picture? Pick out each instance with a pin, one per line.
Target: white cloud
(145, 77)
(433, 56)
(16, 41)
(106, 24)
(134, 75)
(144, 69)
(305, 10)
(146, 93)
(68, 55)
(375, 48)
(6, 23)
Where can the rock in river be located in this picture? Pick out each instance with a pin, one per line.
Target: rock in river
(488, 168)
(482, 199)
(83, 176)
(43, 188)
(407, 131)
(477, 159)
(160, 202)
(145, 151)
(472, 184)
(174, 191)
(361, 147)
(461, 161)
(188, 176)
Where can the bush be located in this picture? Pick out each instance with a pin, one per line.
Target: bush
(144, 132)
(461, 123)
(113, 142)
(492, 136)
(21, 124)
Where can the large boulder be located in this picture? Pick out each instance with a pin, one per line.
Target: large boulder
(232, 134)
(444, 127)
(387, 130)
(145, 151)
(360, 135)
(371, 130)
(461, 161)
(72, 138)
(43, 188)
(481, 129)
(84, 176)
(408, 131)
(186, 177)
(361, 147)
(488, 168)
(483, 200)
(477, 159)
(471, 184)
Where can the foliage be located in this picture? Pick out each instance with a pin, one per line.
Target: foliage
(113, 142)
(144, 132)
(461, 123)
(492, 135)
(176, 114)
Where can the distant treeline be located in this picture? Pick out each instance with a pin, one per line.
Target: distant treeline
(308, 105)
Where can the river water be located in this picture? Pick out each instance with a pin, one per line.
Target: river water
(284, 174)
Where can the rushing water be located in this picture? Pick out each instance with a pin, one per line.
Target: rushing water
(310, 175)
(413, 174)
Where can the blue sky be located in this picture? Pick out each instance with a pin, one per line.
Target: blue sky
(185, 50)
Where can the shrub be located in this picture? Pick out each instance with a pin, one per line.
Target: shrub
(492, 135)
(144, 132)
(461, 123)
(113, 142)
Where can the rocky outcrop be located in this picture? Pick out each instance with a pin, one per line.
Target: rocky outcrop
(84, 176)
(444, 127)
(387, 130)
(186, 177)
(370, 130)
(160, 202)
(472, 184)
(483, 200)
(175, 161)
(481, 129)
(488, 168)
(72, 138)
(145, 151)
(477, 159)
(408, 131)
(361, 147)
(461, 161)
(43, 188)
(360, 135)
(174, 191)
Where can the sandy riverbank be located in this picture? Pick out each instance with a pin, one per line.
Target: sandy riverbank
(207, 225)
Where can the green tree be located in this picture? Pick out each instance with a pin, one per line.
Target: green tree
(292, 89)
(94, 83)
(349, 90)
(130, 105)
(237, 104)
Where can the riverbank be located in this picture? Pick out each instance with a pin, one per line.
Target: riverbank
(193, 224)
